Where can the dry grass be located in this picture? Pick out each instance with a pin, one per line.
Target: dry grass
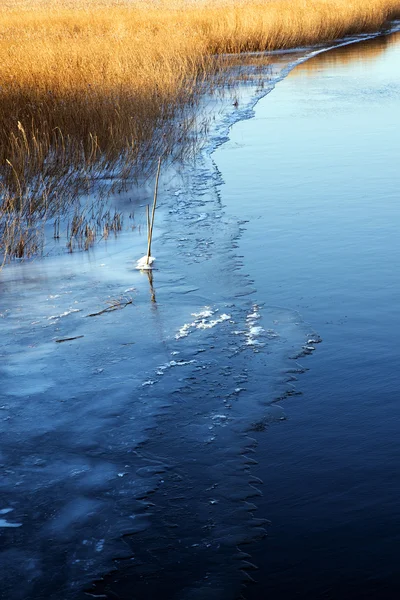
(94, 85)
(86, 226)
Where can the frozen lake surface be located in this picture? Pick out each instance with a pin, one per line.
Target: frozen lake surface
(138, 439)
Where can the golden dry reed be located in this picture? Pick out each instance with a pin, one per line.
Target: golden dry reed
(88, 86)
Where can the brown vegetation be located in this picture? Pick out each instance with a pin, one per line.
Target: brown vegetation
(94, 85)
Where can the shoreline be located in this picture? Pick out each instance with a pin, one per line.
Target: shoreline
(102, 199)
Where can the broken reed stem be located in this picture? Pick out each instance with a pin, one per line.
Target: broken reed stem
(150, 232)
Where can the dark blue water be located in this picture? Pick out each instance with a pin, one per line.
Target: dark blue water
(316, 173)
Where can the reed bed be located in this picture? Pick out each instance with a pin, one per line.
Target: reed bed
(89, 87)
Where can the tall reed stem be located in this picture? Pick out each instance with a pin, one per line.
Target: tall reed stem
(150, 233)
(148, 222)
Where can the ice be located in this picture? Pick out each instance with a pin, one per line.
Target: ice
(148, 382)
(64, 314)
(72, 515)
(254, 331)
(144, 264)
(84, 439)
(4, 523)
(203, 314)
(202, 321)
(173, 363)
(209, 325)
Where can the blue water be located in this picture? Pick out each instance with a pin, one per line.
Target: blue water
(316, 173)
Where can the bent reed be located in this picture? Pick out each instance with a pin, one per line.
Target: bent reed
(89, 87)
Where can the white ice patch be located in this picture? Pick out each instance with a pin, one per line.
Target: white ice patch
(214, 322)
(148, 382)
(203, 314)
(254, 315)
(184, 331)
(202, 320)
(219, 420)
(145, 265)
(4, 522)
(64, 314)
(173, 363)
(254, 331)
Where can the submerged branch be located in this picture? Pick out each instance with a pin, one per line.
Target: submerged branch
(114, 305)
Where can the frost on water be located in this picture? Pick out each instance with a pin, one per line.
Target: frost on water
(255, 334)
(173, 363)
(64, 314)
(253, 330)
(202, 320)
(207, 318)
(162, 369)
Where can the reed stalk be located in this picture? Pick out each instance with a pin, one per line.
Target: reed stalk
(153, 212)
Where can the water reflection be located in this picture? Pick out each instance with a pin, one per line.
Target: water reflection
(152, 291)
(362, 52)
